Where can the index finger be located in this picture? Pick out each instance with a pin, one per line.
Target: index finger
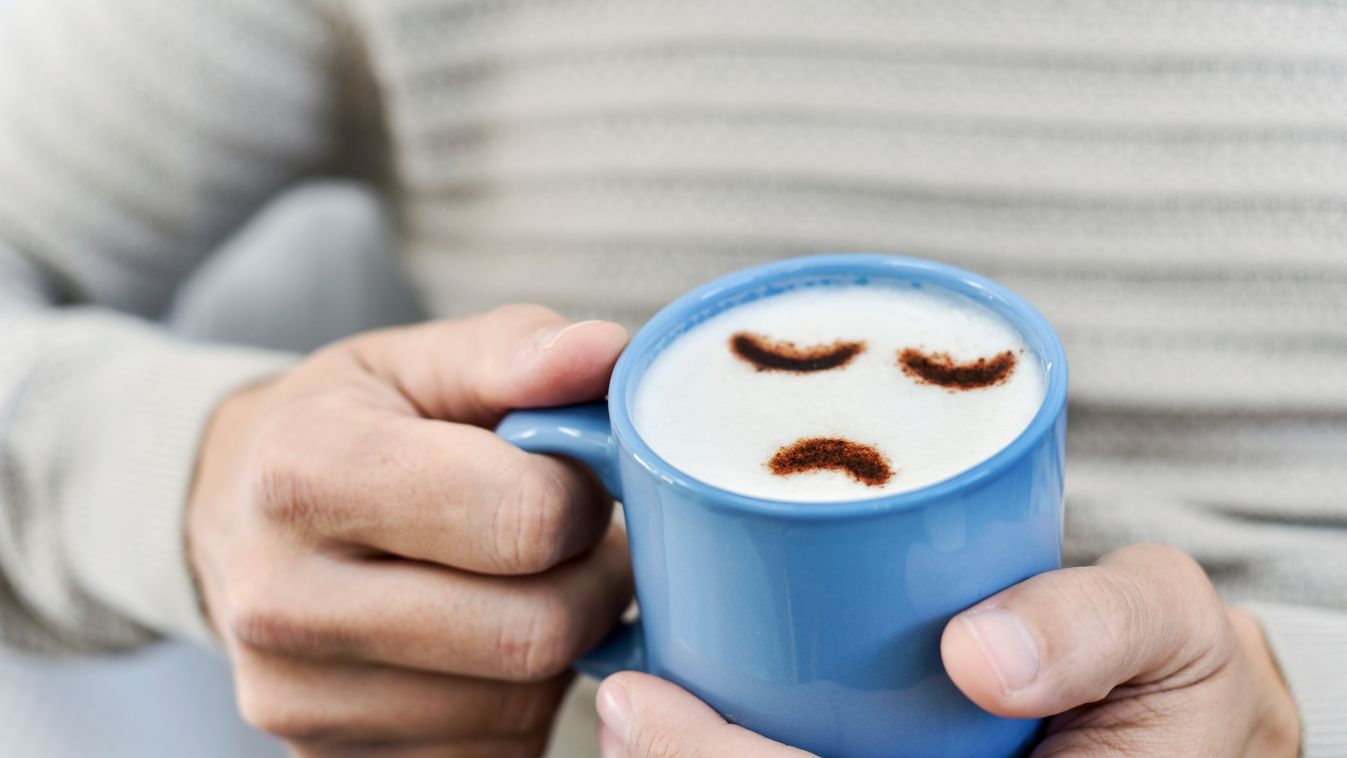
(450, 494)
(477, 369)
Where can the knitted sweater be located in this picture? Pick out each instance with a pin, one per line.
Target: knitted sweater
(1166, 179)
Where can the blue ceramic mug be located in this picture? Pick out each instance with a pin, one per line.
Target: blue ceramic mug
(818, 624)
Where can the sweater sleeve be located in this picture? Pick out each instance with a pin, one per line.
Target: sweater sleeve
(1310, 645)
(133, 136)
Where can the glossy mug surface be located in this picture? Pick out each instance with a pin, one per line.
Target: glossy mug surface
(818, 624)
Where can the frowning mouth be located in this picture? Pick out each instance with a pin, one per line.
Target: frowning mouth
(766, 354)
(861, 462)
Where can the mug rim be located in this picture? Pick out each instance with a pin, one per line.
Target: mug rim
(1024, 317)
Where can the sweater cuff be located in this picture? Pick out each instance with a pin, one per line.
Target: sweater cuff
(1310, 645)
(153, 405)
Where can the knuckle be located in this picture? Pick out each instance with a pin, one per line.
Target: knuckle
(1111, 607)
(252, 608)
(656, 742)
(276, 630)
(282, 489)
(263, 627)
(1165, 603)
(531, 525)
(1168, 556)
(1194, 576)
(262, 616)
(342, 351)
(1187, 583)
(264, 704)
(290, 723)
(540, 640)
(1168, 559)
(295, 455)
(1114, 601)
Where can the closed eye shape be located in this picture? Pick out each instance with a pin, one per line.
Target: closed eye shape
(767, 354)
(942, 370)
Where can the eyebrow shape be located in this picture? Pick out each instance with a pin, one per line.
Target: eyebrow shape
(766, 354)
(864, 463)
(940, 369)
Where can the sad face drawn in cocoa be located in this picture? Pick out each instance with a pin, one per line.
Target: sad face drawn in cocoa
(864, 463)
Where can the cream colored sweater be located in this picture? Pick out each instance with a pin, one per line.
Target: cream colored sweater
(1167, 179)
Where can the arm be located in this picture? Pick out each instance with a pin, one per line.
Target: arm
(134, 136)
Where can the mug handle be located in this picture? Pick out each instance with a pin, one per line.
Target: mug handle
(584, 433)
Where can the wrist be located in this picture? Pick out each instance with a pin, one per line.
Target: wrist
(218, 464)
(1275, 729)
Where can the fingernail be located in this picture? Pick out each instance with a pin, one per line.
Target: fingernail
(1007, 644)
(614, 706)
(549, 335)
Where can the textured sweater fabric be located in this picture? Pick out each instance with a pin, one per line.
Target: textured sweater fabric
(1166, 179)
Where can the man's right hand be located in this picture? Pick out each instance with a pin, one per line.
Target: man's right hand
(387, 573)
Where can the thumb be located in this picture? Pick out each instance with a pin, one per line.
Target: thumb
(477, 369)
(1144, 614)
(647, 717)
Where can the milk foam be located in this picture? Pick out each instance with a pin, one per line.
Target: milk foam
(714, 416)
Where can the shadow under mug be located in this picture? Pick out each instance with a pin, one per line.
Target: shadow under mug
(818, 624)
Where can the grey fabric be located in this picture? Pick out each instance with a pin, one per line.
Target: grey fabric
(314, 266)
(165, 701)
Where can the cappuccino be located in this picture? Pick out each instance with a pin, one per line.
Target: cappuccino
(837, 393)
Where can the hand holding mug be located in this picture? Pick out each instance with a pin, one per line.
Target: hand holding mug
(382, 569)
(1134, 656)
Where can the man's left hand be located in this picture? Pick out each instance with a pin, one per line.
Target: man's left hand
(1136, 655)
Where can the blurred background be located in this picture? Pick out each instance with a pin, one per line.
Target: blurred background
(169, 700)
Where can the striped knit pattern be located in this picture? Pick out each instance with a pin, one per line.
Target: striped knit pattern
(1166, 179)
